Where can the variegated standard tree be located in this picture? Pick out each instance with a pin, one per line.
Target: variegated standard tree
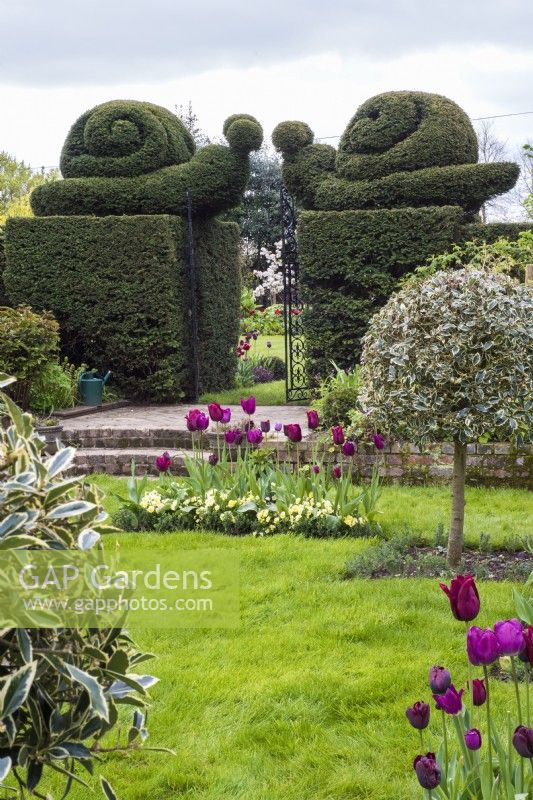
(452, 359)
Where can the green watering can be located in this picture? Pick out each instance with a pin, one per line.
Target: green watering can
(92, 388)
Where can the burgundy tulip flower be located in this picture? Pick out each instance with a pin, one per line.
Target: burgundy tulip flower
(337, 434)
(230, 436)
(191, 419)
(427, 771)
(510, 636)
(313, 420)
(473, 739)
(523, 741)
(336, 471)
(246, 346)
(439, 680)
(293, 432)
(226, 415)
(213, 459)
(163, 463)
(248, 405)
(479, 693)
(255, 436)
(463, 596)
(265, 425)
(278, 427)
(418, 715)
(316, 469)
(378, 441)
(215, 412)
(482, 646)
(450, 702)
(348, 448)
(527, 653)
(202, 421)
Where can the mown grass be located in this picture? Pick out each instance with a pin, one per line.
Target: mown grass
(499, 513)
(306, 698)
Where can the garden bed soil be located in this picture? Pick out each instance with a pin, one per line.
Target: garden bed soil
(495, 565)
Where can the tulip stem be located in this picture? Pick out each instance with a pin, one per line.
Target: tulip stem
(527, 696)
(517, 690)
(445, 739)
(421, 740)
(489, 730)
(470, 679)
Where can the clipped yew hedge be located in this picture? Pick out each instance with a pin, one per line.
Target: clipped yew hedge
(119, 287)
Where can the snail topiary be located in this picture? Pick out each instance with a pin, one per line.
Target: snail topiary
(401, 186)
(128, 157)
(107, 250)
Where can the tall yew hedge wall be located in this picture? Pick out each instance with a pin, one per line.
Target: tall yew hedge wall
(119, 287)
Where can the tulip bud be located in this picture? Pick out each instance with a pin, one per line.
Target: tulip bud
(523, 741)
(278, 426)
(213, 459)
(316, 469)
(451, 701)
(463, 596)
(473, 739)
(478, 691)
(418, 715)
(439, 679)
(337, 434)
(336, 471)
(510, 636)
(427, 771)
(482, 646)
(348, 449)
(265, 425)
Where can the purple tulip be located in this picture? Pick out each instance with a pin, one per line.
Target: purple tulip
(510, 636)
(313, 420)
(479, 693)
(439, 679)
(231, 436)
(316, 469)
(427, 771)
(418, 715)
(215, 412)
(226, 415)
(255, 436)
(473, 739)
(463, 596)
(213, 459)
(450, 702)
(523, 741)
(293, 432)
(248, 405)
(163, 463)
(348, 448)
(336, 471)
(482, 646)
(278, 427)
(191, 419)
(265, 425)
(379, 441)
(337, 434)
(202, 421)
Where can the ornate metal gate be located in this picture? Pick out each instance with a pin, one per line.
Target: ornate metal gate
(296, 388)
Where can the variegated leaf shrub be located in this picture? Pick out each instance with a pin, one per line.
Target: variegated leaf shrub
(452, 359)
(60, 689)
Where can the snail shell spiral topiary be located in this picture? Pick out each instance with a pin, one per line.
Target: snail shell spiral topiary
(401, 149)
(128, 157)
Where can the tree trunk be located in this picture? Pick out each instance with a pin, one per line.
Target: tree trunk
(456, 538)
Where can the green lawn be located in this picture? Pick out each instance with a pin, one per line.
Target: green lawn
(267, 394)
(306, 698)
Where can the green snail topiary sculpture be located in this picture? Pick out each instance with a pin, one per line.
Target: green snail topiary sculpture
(402, 184)
(128, 157)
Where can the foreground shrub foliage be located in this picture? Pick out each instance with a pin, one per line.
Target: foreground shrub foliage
(60, 689)
(452, 359)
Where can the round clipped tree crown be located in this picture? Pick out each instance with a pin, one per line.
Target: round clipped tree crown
(243, 132)
(404, 131)
(452, 358)
(291, 136)
(124, 138)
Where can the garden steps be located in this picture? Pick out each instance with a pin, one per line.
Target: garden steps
(117, 461)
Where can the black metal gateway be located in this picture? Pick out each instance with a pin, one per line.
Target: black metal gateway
(296, 387)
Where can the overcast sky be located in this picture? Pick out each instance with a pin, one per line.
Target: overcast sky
(309, 60)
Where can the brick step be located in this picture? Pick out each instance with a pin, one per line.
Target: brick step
(118, 461)
(162, 438)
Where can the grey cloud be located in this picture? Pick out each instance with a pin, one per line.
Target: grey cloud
(63, 42)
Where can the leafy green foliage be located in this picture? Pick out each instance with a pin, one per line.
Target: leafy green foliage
(57, 697)
(123, 296)
(347, 272)
(17, 180)
(452, 359)
(55, 387)
(129, 157)
(337, 397)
